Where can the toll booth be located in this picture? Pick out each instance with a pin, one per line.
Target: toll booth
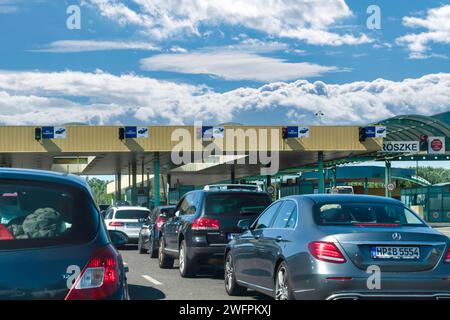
(432, 202)
(175, 194)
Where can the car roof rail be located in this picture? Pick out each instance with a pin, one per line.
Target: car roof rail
(247, 187)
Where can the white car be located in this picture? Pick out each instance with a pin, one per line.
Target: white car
(128, 219)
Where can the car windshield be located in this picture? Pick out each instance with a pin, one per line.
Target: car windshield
(132, 214)
(44, 214)
(348, 213)
(236, 203)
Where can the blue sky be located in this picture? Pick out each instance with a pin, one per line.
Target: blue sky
(253, 62)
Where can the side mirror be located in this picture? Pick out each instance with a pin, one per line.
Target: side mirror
(244, 224)
(177, 214)
(118, 238)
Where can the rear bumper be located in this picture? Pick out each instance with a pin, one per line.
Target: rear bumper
(213, 254)
(389, 296)
(322, 288)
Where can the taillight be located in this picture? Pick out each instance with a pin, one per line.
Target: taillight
(447, 258)
(159, 222)
(326, 251)
(205, 224)
(99, 279)
(5, 234)
(116, 224)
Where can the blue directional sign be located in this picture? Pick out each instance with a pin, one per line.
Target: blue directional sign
(371, 132)
(376, 132)
(48, 132)
(130, 132)
(292, 132)
(207, 132)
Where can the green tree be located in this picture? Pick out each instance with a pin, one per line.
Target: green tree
(434, 175)
(98, 188)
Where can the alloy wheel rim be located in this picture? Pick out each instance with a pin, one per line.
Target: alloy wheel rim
(161, 250)
(228, 272)
(182, 255)
(282, 286)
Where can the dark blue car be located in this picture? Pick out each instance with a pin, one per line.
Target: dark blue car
(53, 242)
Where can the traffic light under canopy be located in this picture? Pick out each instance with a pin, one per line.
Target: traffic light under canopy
(38, 134)
(362, 134)
(284, 133)
(122, 133)
(423, 143)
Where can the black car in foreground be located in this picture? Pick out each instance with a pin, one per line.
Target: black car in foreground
(204, 222)
(53, 242)
(149, 234)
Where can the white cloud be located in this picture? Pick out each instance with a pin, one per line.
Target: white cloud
(177, 49)
(234, 65)
(58, 97)
(437, 25)
(305, 20)
(8, 6)
(64, 46)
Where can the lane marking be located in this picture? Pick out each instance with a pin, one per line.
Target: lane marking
(152, 280)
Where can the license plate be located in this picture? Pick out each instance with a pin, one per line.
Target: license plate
(410, 253)
(133, 225)
(231, 236)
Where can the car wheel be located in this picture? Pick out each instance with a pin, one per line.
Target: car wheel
(283, 289)
(164, 260)
(186, 266)
(231, 286)
(140, 249)
(151, 248)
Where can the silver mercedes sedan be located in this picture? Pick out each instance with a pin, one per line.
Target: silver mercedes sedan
(339, 247)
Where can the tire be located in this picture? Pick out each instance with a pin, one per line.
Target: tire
(283, 288)
(164, 261)
(231, 286)
(140, 249)
(151, 248)
(186, 266)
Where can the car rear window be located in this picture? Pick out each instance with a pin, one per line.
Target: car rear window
(44, 214)
(167, 211)
(348, 213)
(132, 214)
(236, 203)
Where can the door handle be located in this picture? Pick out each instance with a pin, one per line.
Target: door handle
(279, 239)
(257, 236)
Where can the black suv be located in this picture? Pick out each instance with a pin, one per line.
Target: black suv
(204, 222)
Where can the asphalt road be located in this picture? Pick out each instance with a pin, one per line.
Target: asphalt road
(147, 281)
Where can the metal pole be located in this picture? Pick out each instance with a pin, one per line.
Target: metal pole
(134, 183)
(366, 186)
(321, 186)
(334, 177)
(387, 177)
(119, 185)
(233, 175)
(268, 182)
(156, 189)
